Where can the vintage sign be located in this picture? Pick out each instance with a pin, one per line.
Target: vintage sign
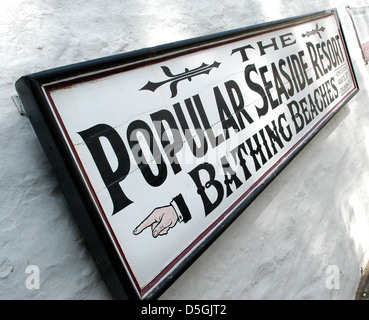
(360, 20)
(159, 150)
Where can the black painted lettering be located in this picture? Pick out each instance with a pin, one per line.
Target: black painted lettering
(92, 138)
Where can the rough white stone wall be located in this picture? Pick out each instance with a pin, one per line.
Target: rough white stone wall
(315, 214)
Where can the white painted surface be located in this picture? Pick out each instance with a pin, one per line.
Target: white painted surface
(314, 215)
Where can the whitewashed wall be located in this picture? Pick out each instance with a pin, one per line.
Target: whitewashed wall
(314, 215)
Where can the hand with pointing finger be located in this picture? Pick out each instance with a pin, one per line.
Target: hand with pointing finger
(164, 218)
(160, 220)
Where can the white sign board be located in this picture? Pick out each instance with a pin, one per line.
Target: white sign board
(360, 19)
(172, 147)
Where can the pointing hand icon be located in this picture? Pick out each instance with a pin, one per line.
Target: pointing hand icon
(160, 220)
